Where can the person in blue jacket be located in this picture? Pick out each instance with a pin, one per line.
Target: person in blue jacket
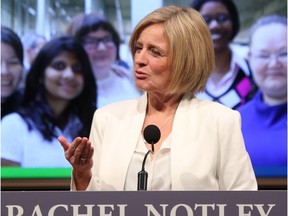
(264, 118)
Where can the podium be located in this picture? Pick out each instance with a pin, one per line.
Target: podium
(144, 203)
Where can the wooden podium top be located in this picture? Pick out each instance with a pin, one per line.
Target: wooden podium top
(64, 184)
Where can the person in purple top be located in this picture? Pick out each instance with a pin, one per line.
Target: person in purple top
(264, 118)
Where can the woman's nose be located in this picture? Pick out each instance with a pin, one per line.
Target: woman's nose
(3, 68)
(274, 61)
(101, 45)
(140, 57)
(214, 24)
(68, 72)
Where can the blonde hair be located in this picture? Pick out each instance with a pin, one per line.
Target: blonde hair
(191, 52)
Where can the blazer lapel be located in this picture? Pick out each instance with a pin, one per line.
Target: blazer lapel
(132, 128)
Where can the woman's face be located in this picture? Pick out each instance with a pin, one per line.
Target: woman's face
(219, 22)
(100, 48)
(151, 68)
(11, 70)
(268, 59)
(63, 78)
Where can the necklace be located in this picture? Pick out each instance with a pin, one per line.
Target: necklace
(168, 119)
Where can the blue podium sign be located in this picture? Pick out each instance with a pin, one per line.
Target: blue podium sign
(144, 203)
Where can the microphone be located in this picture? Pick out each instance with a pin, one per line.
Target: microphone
(152, 135)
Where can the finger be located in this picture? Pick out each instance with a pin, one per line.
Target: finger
(80, 150)
(64, 143)
(72, 148)
(86, 148)
(87, 155)
(83, 150)
(90, 150)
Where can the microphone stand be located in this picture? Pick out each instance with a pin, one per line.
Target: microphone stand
(152, 143)
(143, 175)
(152, 135)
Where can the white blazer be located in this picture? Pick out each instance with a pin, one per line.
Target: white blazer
(207, 148)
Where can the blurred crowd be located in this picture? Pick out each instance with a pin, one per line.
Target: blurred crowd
(51, 87)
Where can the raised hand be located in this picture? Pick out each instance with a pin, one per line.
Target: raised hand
(79, 154)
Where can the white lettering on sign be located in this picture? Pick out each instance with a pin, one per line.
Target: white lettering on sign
(150, 209)
(247, 209)
(204, 208)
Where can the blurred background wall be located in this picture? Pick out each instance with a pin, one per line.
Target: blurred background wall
(50, 17)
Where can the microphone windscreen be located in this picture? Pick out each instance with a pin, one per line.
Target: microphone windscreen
(152, 134)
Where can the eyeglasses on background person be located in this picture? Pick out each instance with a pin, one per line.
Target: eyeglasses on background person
(94, 42)
(266, 57)
(220, 18)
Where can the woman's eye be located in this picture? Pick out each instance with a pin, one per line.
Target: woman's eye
(155, 52)
(283, 54)
(13, 62)
(58, 65)
(77, 68)
(138, 48)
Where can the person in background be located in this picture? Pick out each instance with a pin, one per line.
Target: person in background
(101, 42)
(200, 146)
(75, 24)
(11, 70)
(59, 99)
(264, 118)
(231, 82)
(32, 42)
